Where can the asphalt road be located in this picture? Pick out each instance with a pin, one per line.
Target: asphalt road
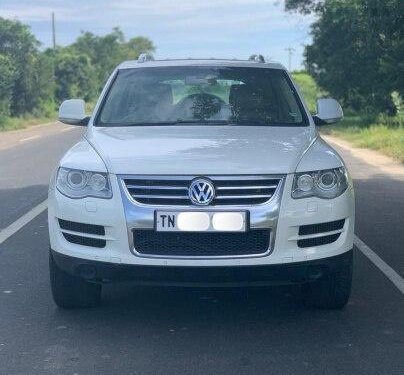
(174, 331)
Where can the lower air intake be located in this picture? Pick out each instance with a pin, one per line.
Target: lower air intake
(322, 232)
(209, 244)
(322, 227)
(84, 241)
(318, 241)
(81, 227)
(82, 233)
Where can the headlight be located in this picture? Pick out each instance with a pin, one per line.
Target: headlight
(76, 183)
(327, 184)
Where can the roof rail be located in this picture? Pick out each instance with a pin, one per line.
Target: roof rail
(257, 58)
(143, 57)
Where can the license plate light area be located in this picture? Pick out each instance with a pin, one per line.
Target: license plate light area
(200, 221)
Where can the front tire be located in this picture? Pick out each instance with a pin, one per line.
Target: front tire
(70, 292)
(333, 291)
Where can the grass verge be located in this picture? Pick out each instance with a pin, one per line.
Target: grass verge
(14, 123)
(383, 134)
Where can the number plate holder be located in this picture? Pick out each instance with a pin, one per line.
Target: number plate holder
(201, 221)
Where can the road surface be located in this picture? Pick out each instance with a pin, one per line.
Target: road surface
(171, 331)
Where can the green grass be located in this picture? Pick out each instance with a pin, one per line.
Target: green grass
(382, 134)
(308, 88)
(14, 123)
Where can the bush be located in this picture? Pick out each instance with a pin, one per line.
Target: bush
(308, 88)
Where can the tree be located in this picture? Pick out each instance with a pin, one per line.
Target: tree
(304, 6)
(357, 50)
(20, 48)
(6, 85)
(75, 75)
(31, 80)
(106, 52)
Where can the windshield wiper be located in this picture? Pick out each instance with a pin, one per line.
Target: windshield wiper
(178, 122)
(250, 122)
(199, 122)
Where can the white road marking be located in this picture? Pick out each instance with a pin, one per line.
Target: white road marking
(392, 275)
(29, 138)
(23, 220)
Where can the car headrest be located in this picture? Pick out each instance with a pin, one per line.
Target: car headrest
(245, 96)
(157, 93)
(247, 102)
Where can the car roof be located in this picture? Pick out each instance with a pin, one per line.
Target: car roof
(198, 62)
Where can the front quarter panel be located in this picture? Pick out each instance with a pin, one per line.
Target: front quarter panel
(83, 156)
(320, 155)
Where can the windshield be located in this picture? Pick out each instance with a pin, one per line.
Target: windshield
(199, 94)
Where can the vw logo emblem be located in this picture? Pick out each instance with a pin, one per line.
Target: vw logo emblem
(201, 192)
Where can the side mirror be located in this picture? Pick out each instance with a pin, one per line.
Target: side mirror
(328, 112)
(73, 112)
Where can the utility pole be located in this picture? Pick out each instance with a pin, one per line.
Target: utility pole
(290, 51)
(53, 31)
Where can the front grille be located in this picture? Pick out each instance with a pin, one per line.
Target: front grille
(229, 190)
(206, 244)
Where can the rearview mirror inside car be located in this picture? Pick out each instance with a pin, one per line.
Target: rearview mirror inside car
(329, 111)
(73, 112)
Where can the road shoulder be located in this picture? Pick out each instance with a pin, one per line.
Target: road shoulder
(384, 163)
(12, 138)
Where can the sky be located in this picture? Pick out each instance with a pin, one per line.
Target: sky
(178, 28)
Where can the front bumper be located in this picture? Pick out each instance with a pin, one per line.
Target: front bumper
(241, 276)
(112, 214)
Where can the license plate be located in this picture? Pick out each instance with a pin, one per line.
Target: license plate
(200, 221)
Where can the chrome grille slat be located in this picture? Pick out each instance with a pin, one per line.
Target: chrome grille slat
(243, 196)
(262, 187)
(242, 178)
(156, 187)
(173, 190)
(153, 196)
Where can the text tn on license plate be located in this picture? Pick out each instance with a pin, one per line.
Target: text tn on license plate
(200, 221)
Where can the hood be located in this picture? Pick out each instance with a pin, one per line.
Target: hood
(200, 150)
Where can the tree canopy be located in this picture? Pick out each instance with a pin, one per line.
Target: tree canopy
(19, 62)
(357, 53)
(36, 81)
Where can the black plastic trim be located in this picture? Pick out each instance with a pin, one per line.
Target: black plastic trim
(203, 276)
(318, 241)
(81, 227)
(321, 227)
(85, 241)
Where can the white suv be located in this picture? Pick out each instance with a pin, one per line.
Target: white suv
(201, 173)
